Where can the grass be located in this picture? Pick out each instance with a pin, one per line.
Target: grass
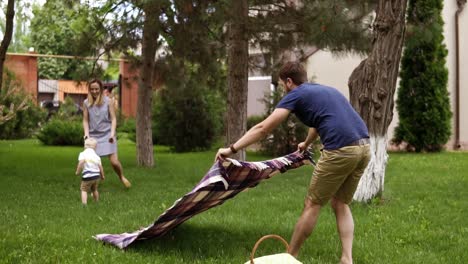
(421, 219)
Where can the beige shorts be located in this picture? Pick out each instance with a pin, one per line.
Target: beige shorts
(337, 174)
(89, 186)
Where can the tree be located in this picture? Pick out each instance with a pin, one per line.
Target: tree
(238, 55)
(6, 36)
(55, 29)
(10, 112)
(372, 86)
(423, 101)
(144, 139)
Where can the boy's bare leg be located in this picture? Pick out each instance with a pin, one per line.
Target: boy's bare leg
(96, 195)
(345, 226)
(304, 226)
(84, 197)
(118, 169)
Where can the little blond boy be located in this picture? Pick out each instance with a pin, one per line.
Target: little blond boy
(89, 163)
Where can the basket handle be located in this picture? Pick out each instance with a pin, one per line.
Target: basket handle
(261, 240)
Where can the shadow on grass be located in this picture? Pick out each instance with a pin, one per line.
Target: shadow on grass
(207, 241)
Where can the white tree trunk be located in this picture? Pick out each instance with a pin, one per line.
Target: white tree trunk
(372, 181)
(372, 87)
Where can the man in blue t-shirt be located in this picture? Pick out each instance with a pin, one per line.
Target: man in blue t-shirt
(344, 157)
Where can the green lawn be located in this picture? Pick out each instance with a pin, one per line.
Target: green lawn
(423, 217)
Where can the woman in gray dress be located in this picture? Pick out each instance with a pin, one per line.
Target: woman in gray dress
(99, 122)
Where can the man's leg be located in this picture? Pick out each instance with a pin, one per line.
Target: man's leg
(114, 160)
(304, 226)
(345, 226)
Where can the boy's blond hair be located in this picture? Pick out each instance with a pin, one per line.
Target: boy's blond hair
(90, 143)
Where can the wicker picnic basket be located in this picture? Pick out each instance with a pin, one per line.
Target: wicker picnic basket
(282, 258)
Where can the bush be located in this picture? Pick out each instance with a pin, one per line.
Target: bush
(287, 135)
(187, 114)
(25, 122)
(62, 132)
(69, 110)
(65, 127)
(423, 101)
(128, 126)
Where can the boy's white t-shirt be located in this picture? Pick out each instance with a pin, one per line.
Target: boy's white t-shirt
(91, 165)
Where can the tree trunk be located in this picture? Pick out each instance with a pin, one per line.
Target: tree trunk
(144, 138)
(7, 36)
(238, 55)
(372, 86)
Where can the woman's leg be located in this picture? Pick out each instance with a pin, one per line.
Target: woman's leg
(118, 169)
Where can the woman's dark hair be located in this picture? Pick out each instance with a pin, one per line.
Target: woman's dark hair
(295, 71)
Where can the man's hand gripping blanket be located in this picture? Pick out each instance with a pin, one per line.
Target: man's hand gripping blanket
(223, 181)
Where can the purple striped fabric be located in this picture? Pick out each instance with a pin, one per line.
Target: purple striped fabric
(223, 181)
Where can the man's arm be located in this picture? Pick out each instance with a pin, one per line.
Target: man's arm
(311, 137)
(256, 133)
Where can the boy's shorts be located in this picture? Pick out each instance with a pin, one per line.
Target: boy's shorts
(337, 174)
(89, 186)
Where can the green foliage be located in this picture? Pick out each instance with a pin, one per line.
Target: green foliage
(287, 135)
(423, 100)
(112, 72)
(20, 41)
(65, 127)
(25, 122)
(62, 132)
(128, 126)
(69, 110)
(187, 112)
(55, 29)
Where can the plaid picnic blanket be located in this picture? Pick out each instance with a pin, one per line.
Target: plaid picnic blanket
(223, 181)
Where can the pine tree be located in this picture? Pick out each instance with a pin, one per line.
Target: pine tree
(423, 101)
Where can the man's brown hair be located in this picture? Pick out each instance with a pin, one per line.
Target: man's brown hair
(295, 71)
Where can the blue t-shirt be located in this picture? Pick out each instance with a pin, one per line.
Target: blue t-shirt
(327, 110)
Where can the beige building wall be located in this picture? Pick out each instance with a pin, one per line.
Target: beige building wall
(257, 87)
(464, 78)
(450, 8)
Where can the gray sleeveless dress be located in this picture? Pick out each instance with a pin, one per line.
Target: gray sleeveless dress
(100, 123)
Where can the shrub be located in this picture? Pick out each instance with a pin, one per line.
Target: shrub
(128, 126)
(62, 132)
(423, 101)
(187, 114)
(287, 135)
(69, 110)
(65, 127)
(25, 122)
